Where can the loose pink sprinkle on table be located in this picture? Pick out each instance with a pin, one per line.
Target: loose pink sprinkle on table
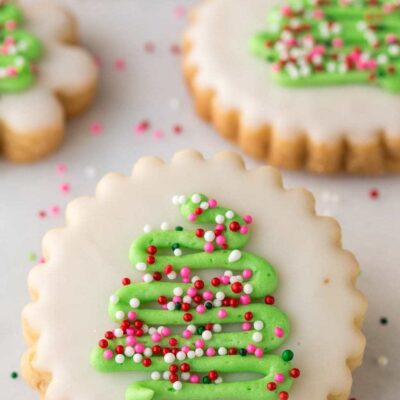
(65, 187)
(149, 47)
(120, 64)
(141, 127)
(55, 210)
(61, 168)
(158, 134)
(96, 128)
(180, 12)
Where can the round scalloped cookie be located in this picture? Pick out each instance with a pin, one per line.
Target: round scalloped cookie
(325, 129)
(85, 261)
(33, 120)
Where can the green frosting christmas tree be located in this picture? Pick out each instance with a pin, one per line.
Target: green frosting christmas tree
(331, 42)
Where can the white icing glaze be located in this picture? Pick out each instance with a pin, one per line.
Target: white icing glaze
(63, 69)
(242, 81)
(88, 259)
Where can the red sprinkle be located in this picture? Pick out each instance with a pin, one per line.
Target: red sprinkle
(126, 281)
(151, 260)
(187, 317)
(294, 373)
(157, 276)
(199, 284)
(374, 194)
(236, 287)
(168, 269)
(146, 362)
(271, 386)
(234, 226)
(248, 316)
(152, 250)
(269, 300)
(103, 343)
(215, 281)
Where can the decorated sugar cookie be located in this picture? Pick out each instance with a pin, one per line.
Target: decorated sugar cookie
(197, 287)
(301, 84)
(43, 78)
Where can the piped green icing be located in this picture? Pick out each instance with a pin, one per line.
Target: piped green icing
(148, 253)
(19, 49)
(333, 42)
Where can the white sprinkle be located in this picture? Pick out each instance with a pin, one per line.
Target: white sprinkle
(236, 278)
(219, 219)
(119, 315)
(155, 376)
(196, 198)
(191, 328)
(177, 385)
(234, 256)
(229, 214)
(152, 330)
(182, 199)
(228, 273)
(220, 296)
(206, 335)
(217, 303)
(141, 266)
(177, 252)
(165, 226)
(118, 332)
(114, 299)
(187, 299)
(191, 354)
(181, 355)
(178, 291)
(195, 278)
(383, 361)
(148, 352)
(171, 306)
(258, 325)
(119, 358)
(248, 288)
(175, 200)
(169, 358)
(171, 275)
(147, 228)
(199, 352)
(222, 351)
(134, 302)
(137, 358)
(129, 351)
(185, 376)
(217, 328)
(218, 380)
(166, 375)
(147, 278)
(257, 337)
(209, 236)
(204, 205)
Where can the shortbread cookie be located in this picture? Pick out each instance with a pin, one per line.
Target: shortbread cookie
(44, 78)
(300, 84)
(213, 295)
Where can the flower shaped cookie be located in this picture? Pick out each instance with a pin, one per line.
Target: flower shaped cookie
(44, 78)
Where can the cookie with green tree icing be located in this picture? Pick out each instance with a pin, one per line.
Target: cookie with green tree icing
(206, 299)
(301, 84)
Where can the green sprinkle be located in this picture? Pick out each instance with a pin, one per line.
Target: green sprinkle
(175, 246)
(14, 375)
(243, 352)
(206, 380)
(200, 329)
(178, 306)
(209, 305)
(179, 228)
(287, 355)
(32, 256)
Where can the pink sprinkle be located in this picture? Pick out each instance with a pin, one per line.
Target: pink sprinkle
(165, 331)
(337, 42)
(207, 295)
(187, 334)
(194, 379)
(192, 217)
(158, 134)
(175, 49)
(246, 326)
(108, 354)
(177, 129)
(11, 25)
(259, 352)
(176, 299)
(248, 219)
(210, 352)
(96, 128)
(42, 214)
(244, 230)
(41, 260)
(192, 292)
(199, 343)
(139, 348)
(225, 279)
(141, 127)
(130, 331)
(180, 12)
(149, 47)
(61, 168)
(278, 331)
(245, 299)
(186, 349)
(11, 71)
(156, 337)
(388, 8)
(208, 247)
(55, 210)
(391, 38)
(251, 348)
(220, 240)
(130, 341)
(286, 11)
(119, 64)
(318, 14)
(247, 273)
(212, 203)
(185, 272)
(185, 280)
(279, 377)
(65, 187)
(222, 314)
(201, 309)
(220, 227)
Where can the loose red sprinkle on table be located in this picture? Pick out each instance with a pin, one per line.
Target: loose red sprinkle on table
(126, 281)
(374, 194)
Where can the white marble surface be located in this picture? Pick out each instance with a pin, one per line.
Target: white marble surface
(151, 87)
